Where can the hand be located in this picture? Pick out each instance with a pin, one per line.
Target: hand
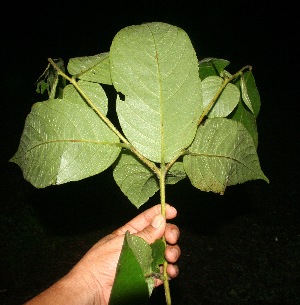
(99, 264)
(91, 279)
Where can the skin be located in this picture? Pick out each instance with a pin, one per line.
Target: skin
(91, 279)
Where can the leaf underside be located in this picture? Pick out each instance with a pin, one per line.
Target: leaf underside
(64, 140)
(135, 179)
(91, 68)
(226, 102)
(222, 154)
(155, 66)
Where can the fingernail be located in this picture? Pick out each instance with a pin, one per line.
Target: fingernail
(156, 222)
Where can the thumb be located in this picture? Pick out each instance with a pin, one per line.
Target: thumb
(153, 231)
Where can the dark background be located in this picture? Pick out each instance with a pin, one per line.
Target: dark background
(240, 248)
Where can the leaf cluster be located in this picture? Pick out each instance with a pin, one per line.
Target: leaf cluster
(177, 112)
(179, 117)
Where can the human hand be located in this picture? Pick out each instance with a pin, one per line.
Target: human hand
(98, 267)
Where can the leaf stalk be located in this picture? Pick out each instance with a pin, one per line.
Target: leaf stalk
(106, 120)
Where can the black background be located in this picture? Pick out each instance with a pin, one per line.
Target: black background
(261, 34)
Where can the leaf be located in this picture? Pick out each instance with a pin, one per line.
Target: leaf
(129, 285)
(137, 266)
(51, 81)
(135, 180)
(226, 102)
(91, 68)
(155, 66)
(250, 93)
(176, 173)
(211, 67)
(143, 254)
(64, 141)
(93, 90)
(222, 154)
(158, 255)
(243, 115)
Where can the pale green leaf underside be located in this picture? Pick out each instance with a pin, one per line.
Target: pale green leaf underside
(135, 180)
(143, 253)
(155, 66)
(93, 90)
(176, 173)
(91, 68)
(226, 102)
(64, 141)
(222, 154)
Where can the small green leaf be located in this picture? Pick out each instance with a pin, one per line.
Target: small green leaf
(211, 67)
(222, 154)
(135, 179)
(130, 286)
(158, 255)
(51, 81)
(91, 68)
(243, 115)
(176, 173)
(250, 93)
(155, 66)
(226, 102)
(41, 86)
(64, 141)
(143, 253)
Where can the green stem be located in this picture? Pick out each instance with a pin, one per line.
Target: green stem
(215, 98)
(150, 164)
(162, 182)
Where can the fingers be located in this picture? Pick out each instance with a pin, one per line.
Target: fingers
(153, 231)
(172, 233)
(172, 253)
(172, 271)
(144, 219)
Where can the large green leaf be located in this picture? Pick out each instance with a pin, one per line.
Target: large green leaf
(91, 68)
(222, 154)
(226, 102)
(130, 286)
(135, 179)
(64, 140)
(137, 267)
(155, 67)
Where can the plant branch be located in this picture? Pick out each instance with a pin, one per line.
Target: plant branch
(215, 98)
(162, 182)
(150, 164)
